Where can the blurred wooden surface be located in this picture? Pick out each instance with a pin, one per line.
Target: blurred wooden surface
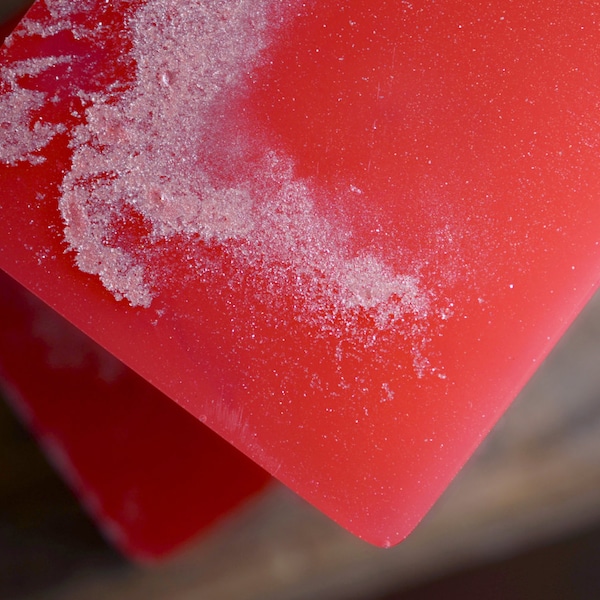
(535, 477)
(9, 8)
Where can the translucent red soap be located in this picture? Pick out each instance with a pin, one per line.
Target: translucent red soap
(341, 235)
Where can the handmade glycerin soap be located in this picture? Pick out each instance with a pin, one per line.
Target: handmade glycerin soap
(342, 235)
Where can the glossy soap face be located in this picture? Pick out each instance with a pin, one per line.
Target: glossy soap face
(342, 236)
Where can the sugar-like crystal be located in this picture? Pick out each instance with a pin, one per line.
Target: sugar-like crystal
(173, 148)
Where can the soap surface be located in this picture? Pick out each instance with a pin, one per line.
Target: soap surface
(342, 236)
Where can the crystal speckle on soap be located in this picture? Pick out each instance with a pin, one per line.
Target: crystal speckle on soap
(170, 152)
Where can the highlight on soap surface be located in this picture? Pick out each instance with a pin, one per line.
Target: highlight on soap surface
(341, 234)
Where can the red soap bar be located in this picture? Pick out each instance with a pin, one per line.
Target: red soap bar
(343, 235)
